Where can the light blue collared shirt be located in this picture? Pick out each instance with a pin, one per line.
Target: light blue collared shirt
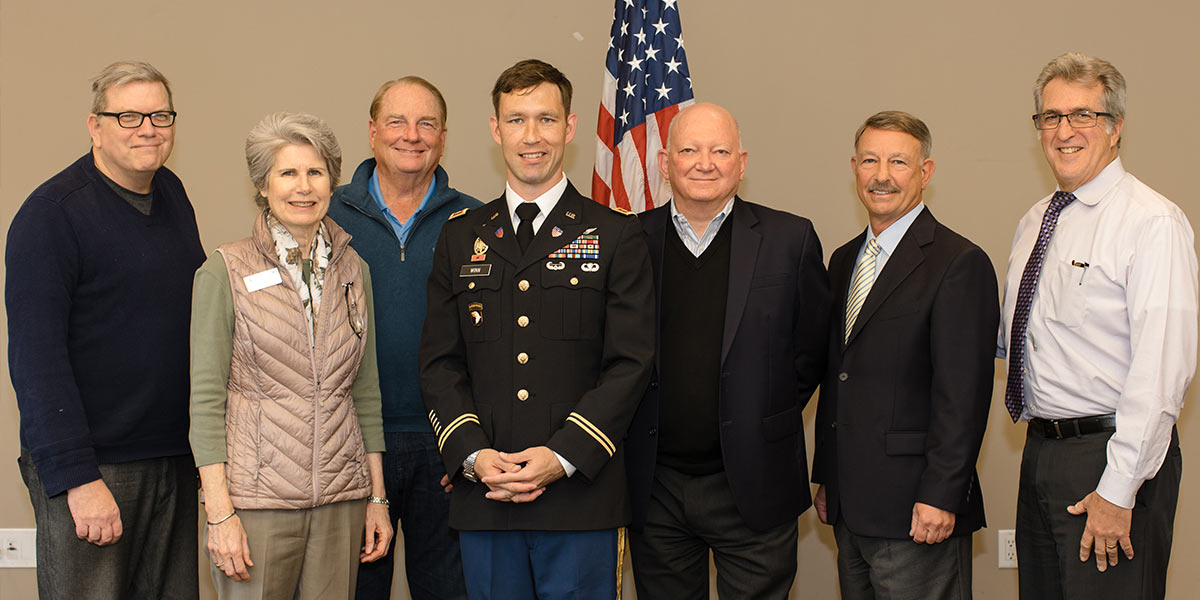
(889, 238)
(697, 244)
(400, 229)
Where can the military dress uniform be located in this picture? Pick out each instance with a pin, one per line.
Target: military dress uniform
(550, 347)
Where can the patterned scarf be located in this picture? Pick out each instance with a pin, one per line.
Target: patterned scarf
(308, 274)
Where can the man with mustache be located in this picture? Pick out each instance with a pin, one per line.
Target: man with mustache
(904, 402)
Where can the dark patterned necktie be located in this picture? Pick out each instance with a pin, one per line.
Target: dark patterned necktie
(1014, 395)
(527, 211)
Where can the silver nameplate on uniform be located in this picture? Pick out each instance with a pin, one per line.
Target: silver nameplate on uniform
(475, 271)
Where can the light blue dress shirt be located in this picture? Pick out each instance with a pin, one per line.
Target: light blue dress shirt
(889, 238)
(697, 244)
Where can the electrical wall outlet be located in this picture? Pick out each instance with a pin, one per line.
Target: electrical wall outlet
(1007, 547)
(17, 548)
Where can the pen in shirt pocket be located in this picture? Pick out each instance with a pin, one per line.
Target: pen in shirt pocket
(1081, 265)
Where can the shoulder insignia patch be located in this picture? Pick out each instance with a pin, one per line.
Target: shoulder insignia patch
(622, 210)
(458, 214)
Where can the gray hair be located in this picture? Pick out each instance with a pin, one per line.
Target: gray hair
(277, 130)
(895, 120)
(121, 73)
(1077, 68)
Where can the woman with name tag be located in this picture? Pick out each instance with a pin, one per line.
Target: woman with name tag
(285, 406)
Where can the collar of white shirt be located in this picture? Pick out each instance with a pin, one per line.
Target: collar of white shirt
(545, 202)
(1093, 191)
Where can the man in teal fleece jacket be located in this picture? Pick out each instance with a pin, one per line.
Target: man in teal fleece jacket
(394, 207)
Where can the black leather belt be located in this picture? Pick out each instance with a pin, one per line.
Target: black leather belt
(1057, 429)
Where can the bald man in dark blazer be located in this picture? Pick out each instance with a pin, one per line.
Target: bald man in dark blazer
(715, 455)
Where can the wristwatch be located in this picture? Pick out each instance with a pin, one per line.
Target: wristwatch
(469, 467)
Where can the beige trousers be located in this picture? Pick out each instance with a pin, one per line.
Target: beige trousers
(299, 554)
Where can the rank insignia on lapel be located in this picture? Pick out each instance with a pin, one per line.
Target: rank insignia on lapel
(556, 232)
(499, 232)
(586, 246)
(476, 311)
(480, 251)
(570, 215)
(494, 215)
(555, 266)
(590, 267)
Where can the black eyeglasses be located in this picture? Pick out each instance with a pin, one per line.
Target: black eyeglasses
(132, 119)
(1079, 118)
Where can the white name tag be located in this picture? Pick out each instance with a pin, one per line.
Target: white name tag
(262, 280)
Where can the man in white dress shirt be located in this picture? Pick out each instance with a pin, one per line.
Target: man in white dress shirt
(1099, 329)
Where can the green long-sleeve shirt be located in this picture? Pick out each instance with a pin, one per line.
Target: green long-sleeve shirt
(212, 353)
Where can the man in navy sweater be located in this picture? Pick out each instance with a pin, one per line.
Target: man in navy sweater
(395, 207)
(100, 261)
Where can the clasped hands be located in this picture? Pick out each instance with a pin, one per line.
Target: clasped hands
(517, 476)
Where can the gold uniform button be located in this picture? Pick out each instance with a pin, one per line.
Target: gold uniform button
(522, 321)
(471, 286)
(523, 285)
(522, 358)
(522, 395)
(574, 281)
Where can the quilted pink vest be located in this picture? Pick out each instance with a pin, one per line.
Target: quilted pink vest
(291, 431)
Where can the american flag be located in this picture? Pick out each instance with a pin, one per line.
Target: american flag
(646, 83)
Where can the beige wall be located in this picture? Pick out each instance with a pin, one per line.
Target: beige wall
(800, 75)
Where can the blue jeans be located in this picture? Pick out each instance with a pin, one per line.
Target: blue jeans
(412, 471)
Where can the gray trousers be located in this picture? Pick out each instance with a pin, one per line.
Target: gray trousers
(871, 568)
(1057, 473)
(156, 555)
(690, 515)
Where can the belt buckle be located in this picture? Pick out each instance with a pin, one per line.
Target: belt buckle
(1057, 430)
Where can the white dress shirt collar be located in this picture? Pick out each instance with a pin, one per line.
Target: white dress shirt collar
(1091, 192)
(545, 202)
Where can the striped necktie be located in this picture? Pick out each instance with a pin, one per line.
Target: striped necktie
(1014, 394)
(864, 277)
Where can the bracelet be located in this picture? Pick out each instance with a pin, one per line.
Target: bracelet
(378, 500)
(222, 519)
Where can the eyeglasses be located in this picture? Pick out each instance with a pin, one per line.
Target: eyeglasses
(132, 119)
(1079, 118)
(352, 314)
